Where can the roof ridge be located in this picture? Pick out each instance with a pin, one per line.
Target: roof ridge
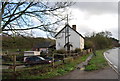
(71, 28)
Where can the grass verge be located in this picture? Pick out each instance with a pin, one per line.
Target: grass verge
(97, 62)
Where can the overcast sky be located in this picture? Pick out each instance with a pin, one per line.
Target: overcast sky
(93, 17)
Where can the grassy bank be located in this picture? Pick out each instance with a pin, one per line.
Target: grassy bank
(97, 62)
(44, 71)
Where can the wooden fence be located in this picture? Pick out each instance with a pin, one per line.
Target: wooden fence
(72, 55)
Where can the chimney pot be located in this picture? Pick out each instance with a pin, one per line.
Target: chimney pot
(74, 27)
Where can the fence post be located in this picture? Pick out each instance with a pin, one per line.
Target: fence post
(87, 51)
(64, 58)
(14, 63)
(53, 60)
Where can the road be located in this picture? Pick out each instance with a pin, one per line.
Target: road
(106, 73)
(112, 57)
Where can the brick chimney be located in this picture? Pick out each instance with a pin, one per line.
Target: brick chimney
(74, 27)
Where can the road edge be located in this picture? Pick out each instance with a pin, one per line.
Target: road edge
(110, 63)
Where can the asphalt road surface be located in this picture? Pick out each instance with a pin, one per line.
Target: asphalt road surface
(106, 73)
(112, 57)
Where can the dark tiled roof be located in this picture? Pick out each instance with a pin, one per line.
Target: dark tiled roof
(42, 45)
(67, 25)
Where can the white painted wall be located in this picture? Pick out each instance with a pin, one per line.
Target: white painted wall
(81, 43)
(75, 39)
(31, 53)
(60, 40)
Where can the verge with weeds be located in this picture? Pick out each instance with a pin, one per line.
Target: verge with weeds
(97, 62)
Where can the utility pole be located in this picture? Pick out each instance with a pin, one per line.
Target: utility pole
(67, 18)
(67, 47)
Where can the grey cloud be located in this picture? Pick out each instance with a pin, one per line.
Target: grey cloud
(84, 29)
(114, 32)
(97, 7)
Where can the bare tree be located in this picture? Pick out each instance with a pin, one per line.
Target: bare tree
(21, 16)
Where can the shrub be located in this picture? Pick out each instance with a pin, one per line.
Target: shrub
(61, 51)
(77, 50)
(72, 51)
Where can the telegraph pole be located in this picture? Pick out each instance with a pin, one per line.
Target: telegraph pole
(67, 47)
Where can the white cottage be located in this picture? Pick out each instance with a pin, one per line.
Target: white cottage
(68, 38)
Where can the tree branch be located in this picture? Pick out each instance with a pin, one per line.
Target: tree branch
(37, 27)
(16, 17)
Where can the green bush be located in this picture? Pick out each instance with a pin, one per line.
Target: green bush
(61, 51)
(77, 50)
(59, 57)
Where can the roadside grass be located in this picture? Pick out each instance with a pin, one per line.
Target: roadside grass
(44, 71)
(97, 62)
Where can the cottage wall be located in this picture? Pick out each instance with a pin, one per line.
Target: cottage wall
(81, 43)
(60, 40)
(75, 39)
